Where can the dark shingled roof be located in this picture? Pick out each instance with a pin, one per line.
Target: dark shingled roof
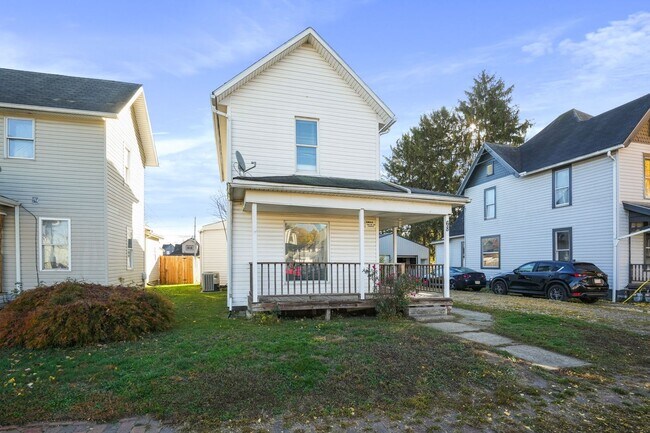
(64, 92)
(338, 182)
(575, 134)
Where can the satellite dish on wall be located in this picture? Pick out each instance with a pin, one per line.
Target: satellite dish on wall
(241, 164)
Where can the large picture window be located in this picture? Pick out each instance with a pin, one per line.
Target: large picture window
(646, 175)
(306, 145)
(490, 203)
(54, 244)
(20, 138)
(305, 250)
(491, 252)
(562, 187)
(562, 245)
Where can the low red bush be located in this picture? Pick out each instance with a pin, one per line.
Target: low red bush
(74, 313)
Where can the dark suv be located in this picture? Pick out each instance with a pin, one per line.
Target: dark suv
(555, 280)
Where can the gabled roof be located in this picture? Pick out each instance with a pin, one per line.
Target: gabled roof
(308, 36)
(37, 91)
(571, 137)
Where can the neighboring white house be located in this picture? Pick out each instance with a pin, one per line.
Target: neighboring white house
(456, 243)
(152, 250)
(214, 250)
(306, 216)
(73, 154)
(579, 189)
(407, 250)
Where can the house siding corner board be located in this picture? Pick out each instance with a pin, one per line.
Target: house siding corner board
(124, 199)
(64, 180)
(343, 242)
(304, 85)
(631, 189)
(526, 218)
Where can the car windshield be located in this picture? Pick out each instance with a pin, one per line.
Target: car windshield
(462, 270)
(586, 267)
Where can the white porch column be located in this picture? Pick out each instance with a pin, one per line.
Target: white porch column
(254, 234)
(394, 245)
(362, 266)
(445, 273)
(19, 280)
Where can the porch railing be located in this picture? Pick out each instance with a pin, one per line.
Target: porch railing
(338, 278)
(639, 273)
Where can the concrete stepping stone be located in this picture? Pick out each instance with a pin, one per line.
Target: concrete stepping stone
(543, 358)
(452, 327)
(486, 338)
(475, 316)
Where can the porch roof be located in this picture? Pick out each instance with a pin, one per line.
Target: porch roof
(639, 208)
(6, 201)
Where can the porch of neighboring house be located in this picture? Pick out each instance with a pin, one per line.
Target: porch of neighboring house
(638, 245)
(320, 251)
(9, 214)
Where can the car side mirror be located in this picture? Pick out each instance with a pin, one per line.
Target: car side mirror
(516, 271)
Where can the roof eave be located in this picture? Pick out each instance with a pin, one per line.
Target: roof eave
(57, 110)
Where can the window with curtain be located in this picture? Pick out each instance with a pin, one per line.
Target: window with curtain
(562, 245)
(20, 138)
(491, 252)
(562, 187)
(306, 145)
(55, 244)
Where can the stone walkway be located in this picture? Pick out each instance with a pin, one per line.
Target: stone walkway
(129, 425)
(471, 327)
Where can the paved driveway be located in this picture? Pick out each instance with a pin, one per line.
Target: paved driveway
(634, 317)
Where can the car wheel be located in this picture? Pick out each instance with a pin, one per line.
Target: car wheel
(499, 287)
(556, 293)
(589, 300)
(452, 284)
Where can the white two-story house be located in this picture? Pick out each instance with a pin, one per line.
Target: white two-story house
(298, 143)
(578, 190)
(72, 158)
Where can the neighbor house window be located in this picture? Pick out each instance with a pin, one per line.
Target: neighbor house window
(562, 245)
(489, 170)
(491, 252)
(646, 175)
(54, 235)
(562, 187)
(127, 164)
(305, 250)
(490, 202)
(129, 248)
(646, 248)
(20, 138)
(306, 145)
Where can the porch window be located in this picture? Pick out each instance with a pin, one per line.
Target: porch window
(54, 235)
(562, 245)
(306, 145)
(646, 175)
(20, 138)
(491, 252)
(562, 187)
(305, 250)
(490, 203)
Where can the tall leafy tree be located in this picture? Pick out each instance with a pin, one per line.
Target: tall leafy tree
(437, 153)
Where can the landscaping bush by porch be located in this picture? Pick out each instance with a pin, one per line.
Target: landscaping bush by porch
(74, 313)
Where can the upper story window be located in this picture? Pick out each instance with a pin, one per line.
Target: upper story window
(54, 244)
(19, 137)
(489, 169)
(646, 176)
(490, 203)
(306, 145)
(562, 187)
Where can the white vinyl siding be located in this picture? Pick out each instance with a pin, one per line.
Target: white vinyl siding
(455, 252)
(124, 200)
(343, 243)
(66, 179)
(263, 114)
(526, 221)
(214, 250)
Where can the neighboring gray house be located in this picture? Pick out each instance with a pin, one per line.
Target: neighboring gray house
(456, 243)
(407, 250)
(73, 152)
(579, 189)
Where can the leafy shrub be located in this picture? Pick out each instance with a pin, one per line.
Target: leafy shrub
(392, 293)
(73, 313)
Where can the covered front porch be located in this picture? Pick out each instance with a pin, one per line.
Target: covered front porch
(317, 248)
(638, 243)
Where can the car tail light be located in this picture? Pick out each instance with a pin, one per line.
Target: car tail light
(466, 276)
(579, 275)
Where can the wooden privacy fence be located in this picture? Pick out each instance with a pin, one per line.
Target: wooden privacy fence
(176, 270)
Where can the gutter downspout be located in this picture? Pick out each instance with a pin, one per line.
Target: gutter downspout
(18, 285)
(614, 222)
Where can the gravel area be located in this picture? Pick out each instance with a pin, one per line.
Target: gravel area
(634, 317)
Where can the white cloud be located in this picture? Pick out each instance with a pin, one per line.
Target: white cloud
(539, 48)
(171, 146)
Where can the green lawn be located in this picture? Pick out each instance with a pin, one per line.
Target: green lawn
(210, 368)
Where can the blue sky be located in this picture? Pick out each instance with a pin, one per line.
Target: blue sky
(417, 56)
